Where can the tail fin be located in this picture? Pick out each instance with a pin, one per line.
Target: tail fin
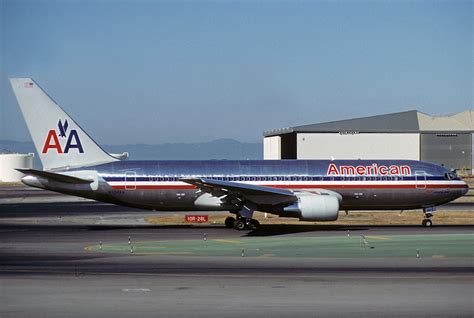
(58, 139)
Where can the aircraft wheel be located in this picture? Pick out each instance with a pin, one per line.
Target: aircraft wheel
(255, 224)
(229, 222)
(239, 225)
(427, 223)
(252, 224)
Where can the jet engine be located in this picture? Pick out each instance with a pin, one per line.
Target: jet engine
(314, 207)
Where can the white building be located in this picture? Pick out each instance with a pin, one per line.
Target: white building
(413, 135)
(11, 161)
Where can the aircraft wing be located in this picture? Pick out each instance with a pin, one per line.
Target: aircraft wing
(235, 192)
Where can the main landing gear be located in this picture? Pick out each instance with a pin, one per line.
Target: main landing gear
(241, 223)
(244, 219)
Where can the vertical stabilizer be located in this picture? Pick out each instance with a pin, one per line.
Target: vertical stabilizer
(58, 139)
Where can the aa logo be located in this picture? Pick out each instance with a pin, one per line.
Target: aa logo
(52, 139)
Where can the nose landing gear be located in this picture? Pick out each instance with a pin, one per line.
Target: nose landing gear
(428, 214)
(427, 222)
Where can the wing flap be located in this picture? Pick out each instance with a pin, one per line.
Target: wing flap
(257, 194)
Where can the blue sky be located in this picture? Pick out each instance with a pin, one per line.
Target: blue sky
(187, 71)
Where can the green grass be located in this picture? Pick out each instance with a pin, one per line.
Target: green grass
(449, 245)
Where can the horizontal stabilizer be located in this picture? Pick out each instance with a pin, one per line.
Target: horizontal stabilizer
(55, 176)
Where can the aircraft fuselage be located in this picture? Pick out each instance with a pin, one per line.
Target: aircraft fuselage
(156, 185)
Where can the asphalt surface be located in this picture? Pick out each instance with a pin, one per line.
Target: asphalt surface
(47, 270)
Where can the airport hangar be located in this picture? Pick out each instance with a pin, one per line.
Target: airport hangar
(446, 140)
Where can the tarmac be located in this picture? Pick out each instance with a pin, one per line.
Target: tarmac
(122, 266)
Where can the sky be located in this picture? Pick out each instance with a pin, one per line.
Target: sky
(195, 71)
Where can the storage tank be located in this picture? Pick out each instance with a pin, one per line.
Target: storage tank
(11, 161)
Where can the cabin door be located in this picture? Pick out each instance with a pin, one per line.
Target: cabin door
(420, 179)
(130, 180)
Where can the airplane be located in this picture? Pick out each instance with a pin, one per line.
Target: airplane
(310, 190)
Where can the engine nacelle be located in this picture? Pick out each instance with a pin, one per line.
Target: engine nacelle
(315, 207)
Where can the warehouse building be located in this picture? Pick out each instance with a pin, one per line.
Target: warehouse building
(446, 140)
(11, 161)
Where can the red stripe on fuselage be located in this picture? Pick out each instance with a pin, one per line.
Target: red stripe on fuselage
(154, 187)
(304, 186)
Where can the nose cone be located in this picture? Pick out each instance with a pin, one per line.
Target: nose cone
(465, 189)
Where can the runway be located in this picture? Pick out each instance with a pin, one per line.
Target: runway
(53, 269)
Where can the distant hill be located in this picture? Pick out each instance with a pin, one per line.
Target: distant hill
(16, 146)
(217, 149)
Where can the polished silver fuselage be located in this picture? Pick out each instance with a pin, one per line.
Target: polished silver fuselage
(156, 185)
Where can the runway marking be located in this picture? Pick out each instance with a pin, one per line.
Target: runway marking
(228, 241)
(134, 290)
(263, 275)
(266, 255)
(378, 237)
(96, 248)
(163, 253)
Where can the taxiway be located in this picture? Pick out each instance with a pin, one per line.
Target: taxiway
(55, 269)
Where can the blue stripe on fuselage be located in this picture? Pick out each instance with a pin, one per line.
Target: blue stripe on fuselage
(278, 178)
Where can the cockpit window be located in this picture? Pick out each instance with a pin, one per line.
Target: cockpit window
(452, 175)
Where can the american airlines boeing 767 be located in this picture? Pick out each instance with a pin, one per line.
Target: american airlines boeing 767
(311, 190)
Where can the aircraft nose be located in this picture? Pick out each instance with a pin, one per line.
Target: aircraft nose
(466, 188)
